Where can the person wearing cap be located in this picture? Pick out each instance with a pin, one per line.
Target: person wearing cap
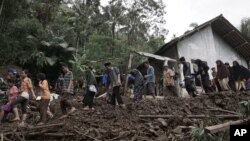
(13, 75)
(168, 81)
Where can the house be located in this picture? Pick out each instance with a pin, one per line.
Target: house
(213, 40)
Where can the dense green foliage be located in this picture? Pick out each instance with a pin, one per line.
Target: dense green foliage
(39, 34)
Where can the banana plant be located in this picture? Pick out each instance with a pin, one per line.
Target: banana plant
(245, 107)
(50, 52)
(78, 65)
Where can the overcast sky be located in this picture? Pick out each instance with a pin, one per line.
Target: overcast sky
(180, 13)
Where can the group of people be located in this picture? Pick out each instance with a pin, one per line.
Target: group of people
(21, 90)
(226, 78)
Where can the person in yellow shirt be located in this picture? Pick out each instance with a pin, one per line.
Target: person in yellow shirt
(168, 82)
(23, 98)
(45, 97)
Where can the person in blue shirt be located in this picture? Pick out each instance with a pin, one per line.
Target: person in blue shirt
(150, 79)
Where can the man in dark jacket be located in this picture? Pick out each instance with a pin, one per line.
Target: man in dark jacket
(231, 77)
(189, 82)
(203, 73)
(222, 75)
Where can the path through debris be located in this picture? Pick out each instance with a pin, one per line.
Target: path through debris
(169, 119)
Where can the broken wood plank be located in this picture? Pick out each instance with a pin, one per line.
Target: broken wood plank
(224, 126)
(186, 127)
(222, 110)
(102, 95)
(58, 134)
(190, 116)
(46, 126)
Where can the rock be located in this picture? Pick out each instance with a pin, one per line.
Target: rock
(177, 130)
(162, 137)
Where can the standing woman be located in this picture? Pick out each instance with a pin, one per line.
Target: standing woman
(45, 97)
(23, 99)
(91, 89)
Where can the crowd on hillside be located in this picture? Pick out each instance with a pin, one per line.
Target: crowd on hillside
(21, 91)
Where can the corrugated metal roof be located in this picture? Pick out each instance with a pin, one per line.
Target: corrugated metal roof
(224, 29)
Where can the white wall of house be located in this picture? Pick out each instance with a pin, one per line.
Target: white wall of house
(208, 46)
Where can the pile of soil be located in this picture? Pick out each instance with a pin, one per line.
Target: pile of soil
(109, 123)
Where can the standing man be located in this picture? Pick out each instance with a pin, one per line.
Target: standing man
(88, 99)
(67, 91)
(203, 73)
(115, 83)
(222, 75)
(215, 79)
(231, 77)
(189, 82)
(150, 79)
(168, 81)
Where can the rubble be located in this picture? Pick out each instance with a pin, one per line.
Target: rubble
(113, 124)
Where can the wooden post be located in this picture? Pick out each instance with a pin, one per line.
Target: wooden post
(126, 76)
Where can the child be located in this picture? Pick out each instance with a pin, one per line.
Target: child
(12, 95)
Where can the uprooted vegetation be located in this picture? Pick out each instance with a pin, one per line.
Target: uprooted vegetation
(172, 118)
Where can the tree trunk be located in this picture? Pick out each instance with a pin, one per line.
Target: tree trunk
(1, 9)
(126, 76)
(113, 30)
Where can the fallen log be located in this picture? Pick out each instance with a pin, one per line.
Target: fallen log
(190, 116)
(46, 126)
(222, 110)
(224, 126)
